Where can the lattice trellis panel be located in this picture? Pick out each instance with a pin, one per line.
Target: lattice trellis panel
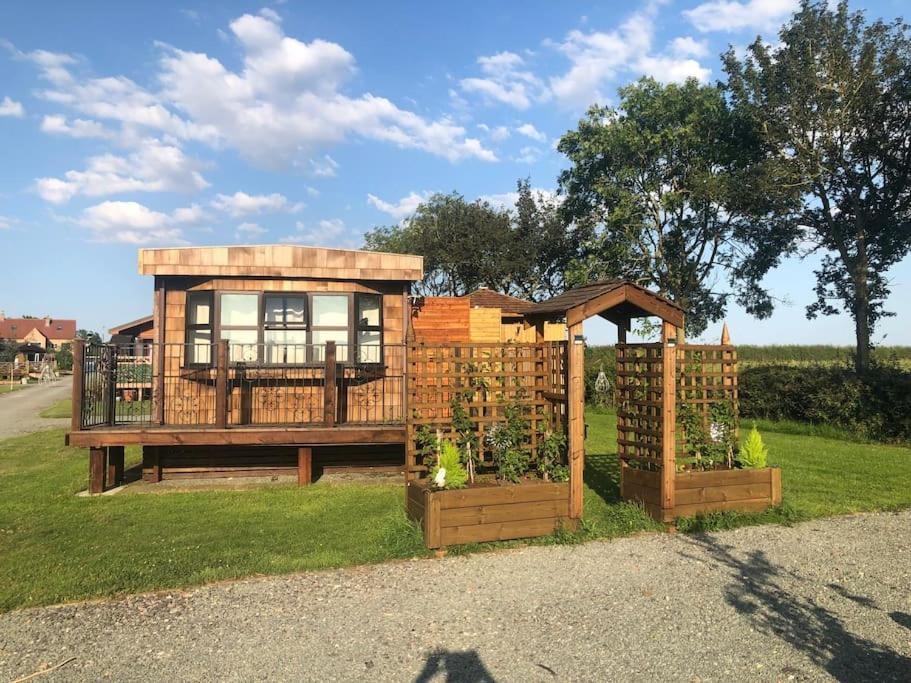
(706, 376)
(483, 378)
(639, 403)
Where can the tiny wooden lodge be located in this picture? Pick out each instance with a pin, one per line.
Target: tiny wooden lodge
(287, 359)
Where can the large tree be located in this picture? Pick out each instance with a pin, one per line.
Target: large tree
(467, 245)
(659, 182)
(833, 102)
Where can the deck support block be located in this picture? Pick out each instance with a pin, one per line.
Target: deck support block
(304, 466)
(115, 466)
(96, 469)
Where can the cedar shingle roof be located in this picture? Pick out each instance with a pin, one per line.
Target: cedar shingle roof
(579, 296)
(17, 328)
(487, 298)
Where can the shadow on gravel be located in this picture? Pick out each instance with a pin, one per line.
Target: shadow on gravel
(459, 667)
(756, 592)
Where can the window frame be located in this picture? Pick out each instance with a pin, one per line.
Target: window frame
(305, 326)
(357, 328)
(190, 328)
(353, 328)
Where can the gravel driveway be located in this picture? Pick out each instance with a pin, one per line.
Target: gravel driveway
(19, 409)
(820, 601)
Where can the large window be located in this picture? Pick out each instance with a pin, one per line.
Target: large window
(238, 322)
(331, 322)
(284, 328)
(200, 321)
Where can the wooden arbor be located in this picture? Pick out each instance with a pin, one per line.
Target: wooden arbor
(619, 302)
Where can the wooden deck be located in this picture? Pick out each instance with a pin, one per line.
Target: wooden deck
(181, 435)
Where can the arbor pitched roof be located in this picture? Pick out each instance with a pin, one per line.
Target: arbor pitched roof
(615, 300)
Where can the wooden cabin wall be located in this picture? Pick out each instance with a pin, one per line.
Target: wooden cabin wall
(484, 324)
(190, 394)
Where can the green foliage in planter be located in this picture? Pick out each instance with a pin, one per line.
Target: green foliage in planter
(508, 444)
(552, 456)
(707, 445)
(427, 445)
(450, 460)
(753, 453)
(464, 427)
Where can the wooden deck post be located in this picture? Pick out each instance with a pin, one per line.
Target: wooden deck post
(78, 383)
(158, 347)
(111, 386)
(221, 384)
(668, 418)
(304, 466)
(115, 466)
(155, 460)
(575, 407)
(96, 470)
(330, 398)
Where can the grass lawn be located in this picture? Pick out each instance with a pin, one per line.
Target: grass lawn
(56, 547)
(62, 408)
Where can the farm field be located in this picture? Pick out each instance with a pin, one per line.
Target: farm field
(59, 547)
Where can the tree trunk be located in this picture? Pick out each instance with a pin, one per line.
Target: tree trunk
(861, 309)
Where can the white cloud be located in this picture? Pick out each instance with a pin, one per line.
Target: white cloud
(154, 167)
(530, 131)
(283, 105)
(327, 167)
(6, 222)
(78, 128)
(507, 200)
(528, 155)
(399, 210)
(730, 15)
(507, 81)
(131, 223)
(328, 232)
(687, 46)
(10, 107)
(599, 57)
(287, 100)
(497, 133)
(247, 231)
(312, 191)
(243, 204)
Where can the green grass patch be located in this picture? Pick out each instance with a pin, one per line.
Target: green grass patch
(62, 408)
(6, 387)
(56, 547)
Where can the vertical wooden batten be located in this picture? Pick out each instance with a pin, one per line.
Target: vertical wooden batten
(221, 384)
(330, 396)
(668, 416)
(575, 383)
(158, 349)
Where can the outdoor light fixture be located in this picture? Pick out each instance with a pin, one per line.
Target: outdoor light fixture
(578, 339)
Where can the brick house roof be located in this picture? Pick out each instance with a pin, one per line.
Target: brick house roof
(18, 328)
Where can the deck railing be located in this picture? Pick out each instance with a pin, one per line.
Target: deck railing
(226, 385)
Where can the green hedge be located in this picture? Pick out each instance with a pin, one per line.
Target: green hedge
(876, 406)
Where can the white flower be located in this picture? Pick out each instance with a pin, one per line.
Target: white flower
(717, 431)
(440, 478)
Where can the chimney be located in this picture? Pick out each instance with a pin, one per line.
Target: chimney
(47, 321)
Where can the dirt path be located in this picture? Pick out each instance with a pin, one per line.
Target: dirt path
(19, 409)
(825, 600)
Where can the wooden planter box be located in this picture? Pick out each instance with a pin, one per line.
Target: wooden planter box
(487, 513)
(695, 492)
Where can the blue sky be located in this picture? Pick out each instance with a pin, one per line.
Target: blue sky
(124, 125)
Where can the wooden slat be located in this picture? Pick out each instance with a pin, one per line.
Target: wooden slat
(755, 505)
(501, 531)
(715, 494)
(689, 480)
(170, 436)
(489, 514)
(501, 495)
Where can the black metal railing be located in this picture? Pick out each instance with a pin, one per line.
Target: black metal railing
(226, 385)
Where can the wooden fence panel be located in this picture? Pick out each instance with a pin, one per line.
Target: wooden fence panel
(639, 403)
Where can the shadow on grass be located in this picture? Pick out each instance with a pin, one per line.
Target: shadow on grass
(758, 593)
(602, 475)
(459, 667)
